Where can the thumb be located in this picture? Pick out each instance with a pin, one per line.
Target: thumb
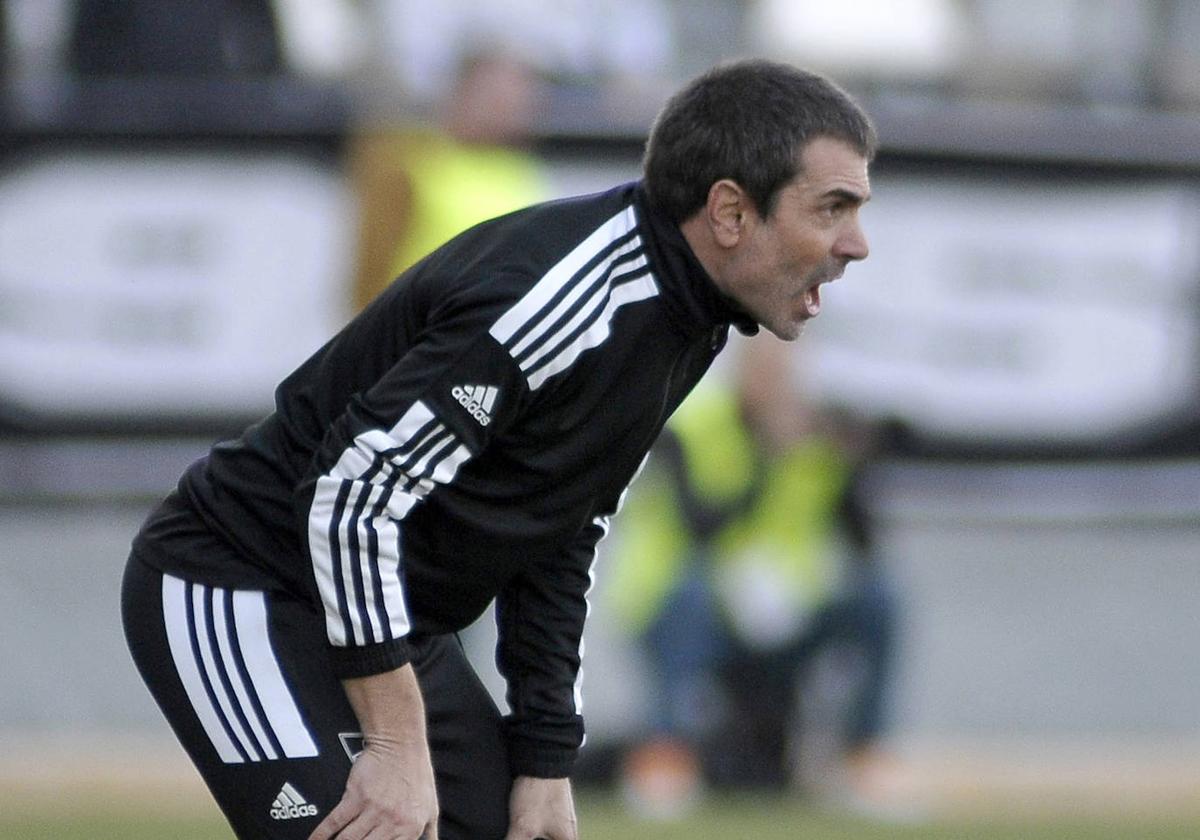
(431, 831)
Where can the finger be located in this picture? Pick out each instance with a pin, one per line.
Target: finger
(337, 819)
(327, 828)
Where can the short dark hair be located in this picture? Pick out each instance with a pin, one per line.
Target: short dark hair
(747, 121)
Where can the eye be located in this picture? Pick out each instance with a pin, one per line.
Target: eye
(832, 210)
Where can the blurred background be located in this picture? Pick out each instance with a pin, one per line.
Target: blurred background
(194, 195)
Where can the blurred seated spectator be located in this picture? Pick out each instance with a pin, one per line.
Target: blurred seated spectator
(746, 565)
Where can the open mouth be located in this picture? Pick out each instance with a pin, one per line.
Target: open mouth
(812, 295)
(812, 301)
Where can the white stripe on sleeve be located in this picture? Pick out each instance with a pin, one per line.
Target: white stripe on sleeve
(354, 536)
(541, 294)
(642, 288)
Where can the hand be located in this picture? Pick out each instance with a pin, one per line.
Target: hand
(390, 793)
(541, 808)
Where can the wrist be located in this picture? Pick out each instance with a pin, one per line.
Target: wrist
(390, 711)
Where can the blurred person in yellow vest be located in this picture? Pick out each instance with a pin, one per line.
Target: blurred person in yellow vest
(420, 185)
(745, 566)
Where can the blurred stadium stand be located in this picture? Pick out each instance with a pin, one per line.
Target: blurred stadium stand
(170, 245)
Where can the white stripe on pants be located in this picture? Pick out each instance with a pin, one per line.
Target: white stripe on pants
(245, 719)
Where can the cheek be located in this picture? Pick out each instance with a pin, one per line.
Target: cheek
(808, 252)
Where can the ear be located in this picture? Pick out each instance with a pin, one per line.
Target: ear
(726, 211)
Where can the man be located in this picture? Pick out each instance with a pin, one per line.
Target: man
(419, 186)
(747, 565)
(292, 605)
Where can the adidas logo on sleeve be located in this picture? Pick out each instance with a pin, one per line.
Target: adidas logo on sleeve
(477, 399)
(290, 805)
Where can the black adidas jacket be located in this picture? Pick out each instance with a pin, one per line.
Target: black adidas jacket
(465, 439)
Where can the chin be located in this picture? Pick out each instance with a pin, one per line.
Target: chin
(787, 331)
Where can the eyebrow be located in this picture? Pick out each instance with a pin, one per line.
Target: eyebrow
(848, 196)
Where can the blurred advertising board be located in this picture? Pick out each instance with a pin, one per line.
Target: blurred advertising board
(165, 284)
(1016, 313)
(993, 311)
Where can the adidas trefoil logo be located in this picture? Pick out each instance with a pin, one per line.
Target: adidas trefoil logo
(290, 805)
(477, 399)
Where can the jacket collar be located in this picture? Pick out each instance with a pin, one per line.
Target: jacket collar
(695, 303)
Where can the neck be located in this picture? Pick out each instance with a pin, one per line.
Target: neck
(699, 238)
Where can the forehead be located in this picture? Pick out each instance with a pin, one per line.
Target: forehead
(828, 163)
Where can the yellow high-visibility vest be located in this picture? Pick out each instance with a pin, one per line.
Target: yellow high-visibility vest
(789, 531)
(456, 185)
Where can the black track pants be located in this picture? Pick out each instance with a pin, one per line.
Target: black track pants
(242, 678)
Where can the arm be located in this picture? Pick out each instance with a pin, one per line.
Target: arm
(391, 785)
(396, 443)
(705, 517)
(540, 620)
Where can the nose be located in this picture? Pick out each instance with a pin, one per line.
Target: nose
(852, 243)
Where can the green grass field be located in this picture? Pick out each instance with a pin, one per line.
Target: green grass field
(603, 818)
